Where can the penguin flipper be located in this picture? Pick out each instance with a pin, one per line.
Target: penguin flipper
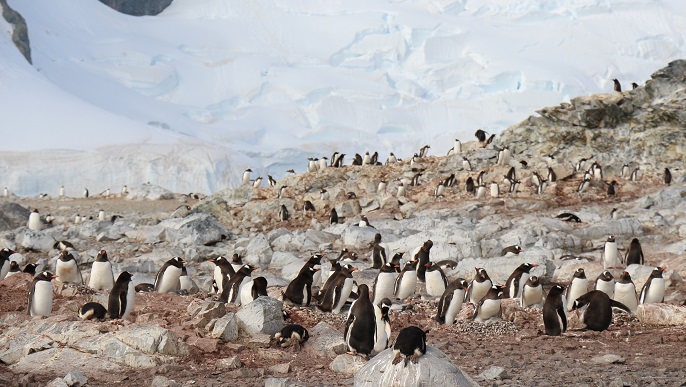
(563, 317)
(398, 280)
(382, 253)
(33, 288)
(515, 282)
(443, 306)
(308, 287)
(122, 303)
(158, 277)
(617, 304)
(337, 294)
(444, 278)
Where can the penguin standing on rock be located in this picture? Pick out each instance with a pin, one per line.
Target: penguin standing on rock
(67, 269)
(635, 254)
(315, 261)
(605, 283)
(532, 293)
(283, 213)
(338, 292)
(167, 279)
(122, 297)
(653, 292)
(625, 292)
(299, 291)
(436, 281)
(577, 288)
(479, 286)
(407, 281)
(333, 216)
(555, 312)
(253, 289)
(34, 222)
(40, 294)
(383, 325)
(101, 277)
(451, 301)
(360, 328)
(378, 253)
(410, 345)
(595, 310)
(223, 270)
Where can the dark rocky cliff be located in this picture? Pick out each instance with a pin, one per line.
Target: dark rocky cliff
(138, 7)
(20, 34)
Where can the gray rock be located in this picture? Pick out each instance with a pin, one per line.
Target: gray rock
(13, 215)
(281, 382)
(493, 373)
(356, 237)
(281, 259)
(76, 379)
(258, 251)
(325, 341)
(209, 310)
(263, 315)
(347, 364)
(35, 240)
(433, 369)
(608, 359)
(58, 382)
(195, 229)
(662, 314)
(225, 328)
(161, 381)
(229, 363)
(148, 192)
(153, 339)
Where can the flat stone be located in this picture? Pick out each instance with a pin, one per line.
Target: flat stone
(493, 373)
(225, 328)
(229, 363)
(347, 364)
(76, 379)
(283, 368)
(662, 314)
(325, 341)
(608, 359)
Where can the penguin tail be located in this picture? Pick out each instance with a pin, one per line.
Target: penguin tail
(619, 305)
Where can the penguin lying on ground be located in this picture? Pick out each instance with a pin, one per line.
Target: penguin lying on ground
(595, 310)
(292, 335)
(92, 310)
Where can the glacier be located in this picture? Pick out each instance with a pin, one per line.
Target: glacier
(191, 97)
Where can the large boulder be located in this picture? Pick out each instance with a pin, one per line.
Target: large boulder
(35, 240)
(13, 215)
(662, 314)
(148, 192)
(325, 341)
(433, 369)
(263, 315)
(195, 229)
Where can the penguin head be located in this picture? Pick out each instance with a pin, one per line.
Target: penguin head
(625, 277)
(46, 276)
(236, 259)
(606, 276)
(247, 269)
(580, 273)
(611, 238)
(219, 260)
(526, 267)
(124, 276)
(657, 272)
(363, 291)
(519, 248)
(102, 256)
(66, 256)
(5, 252)
(481, 273)
(556, 291)
(411, 265)
(14, 266)
(177, 261)
(533, 280)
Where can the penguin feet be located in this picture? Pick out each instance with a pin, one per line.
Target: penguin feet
(414, 358)
(398, 358)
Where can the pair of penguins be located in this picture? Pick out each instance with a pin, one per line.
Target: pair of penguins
(233, 282)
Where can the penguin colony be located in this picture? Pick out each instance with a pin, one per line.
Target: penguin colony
(368, 329)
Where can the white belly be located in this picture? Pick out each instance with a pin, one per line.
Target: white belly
(455, 306)
(517, 293)
(169, 281)
(607, 287)
(610, 256)
(130, 300)
(407, 285)
(656, 292)
(246, 293)
(479, 290)
(67, 271)
(41, 305)
(579, 288)
(384, 287)
(494, 190)
(101, 276)
(218, 279)
(532, 296)
(434, 283)
(489, 309)
(626, 294)
(380, 336)
(34, 221)
(347, 288)
(4, 270)
(317, 277)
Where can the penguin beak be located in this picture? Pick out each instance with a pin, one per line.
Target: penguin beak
(255, 268)
(183, 261)
(427, 265)
(53, 276)
(317, 269)
(397, 266)
(663, 268)
(534, 265)
(212, 260)
(353, 269)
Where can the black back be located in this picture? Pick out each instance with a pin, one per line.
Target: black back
(635, 253)
(294, 291)
(410, 339)
(668, 176)
(447, 298)
(117, 300)
(480, 135)
(395, 261)
(423, 258)
(234, 284)
(361, 325)
(259, 287)
(469, 185)
(516, 277)
(327, 297)
(333, 218)
(598, 315)
(554, 312)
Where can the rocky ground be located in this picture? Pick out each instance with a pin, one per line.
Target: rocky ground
(189, 339)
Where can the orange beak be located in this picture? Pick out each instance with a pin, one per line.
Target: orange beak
(534, 265)
(353, 269)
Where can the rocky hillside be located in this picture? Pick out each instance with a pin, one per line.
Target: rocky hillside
(190, 338)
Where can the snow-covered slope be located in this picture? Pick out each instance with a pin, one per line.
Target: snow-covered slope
(191, 97)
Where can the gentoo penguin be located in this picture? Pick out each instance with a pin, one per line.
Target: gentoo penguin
(122, 297)
(605, 283)
(246, 176)
(348, 256)
(34, 222)
(552, 176)
(610, 253)
(511, 250)
(480, 178)
(323, 163)
(555, 312)
(436, 281)
(384, 283)
(5, 254)
(466, 165)
(357, 160)
(308, 207)
(333, 216)
(378, 253)
(401, 190)
(583, 186)
(360, 328)
(668, 177)
(92, 310)
(424, 151)
(364, 222)
(397, 260)
(186, 283)
(30, 268)
(383, 325)
(339, 161)
(333, 273)
(423, 256)
(503, 156)
(489, 306)
(391, 159)
(257, 287)
(634, 85)
(367, 159)
(407, 281)
(515, 283)
(14, 269)
(101, 215)
(532, 293)
(292, 335)
(283, 213)
(469, 186)
(625, 171)
(231, 292)
(167, 279)
(625, 292)
(223, 270)
(6, 192)
(144, 288)
(282, 192)
(635, 174)
(312, 165)
(85, 193)
(299, 291)
(634, 254)
(351, 195)
(481, 192)
(479, 286)
(456, 149)
(447, 264)
(415, 180)
(653, 292)
(67, 269)
(64, 246)
(324, 194)
(272, 181)
(480, 135)
(101, 277)
(451, 301)
(410, 345)
(577, 288)
(450, 181)
(618, 86)
(338, 292)
(495, 189)
(440, 190)
(258, 182)
(612, 188)
(236, 262)
(567, 217)
(315, 261)
(124, 189)
(381, 188)
(40, 294)
(595, 309)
